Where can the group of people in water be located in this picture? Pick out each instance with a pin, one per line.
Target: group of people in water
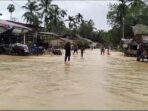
(103, 50)
(142, 52)
(68, 49)
(75, 48)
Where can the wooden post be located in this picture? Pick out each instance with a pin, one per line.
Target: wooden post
(24, 38)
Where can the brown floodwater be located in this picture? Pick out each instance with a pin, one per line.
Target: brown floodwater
(94, 82)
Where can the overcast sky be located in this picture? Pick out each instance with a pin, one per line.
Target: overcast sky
(90, 9)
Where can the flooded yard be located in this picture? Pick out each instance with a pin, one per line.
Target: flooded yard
(93, 82)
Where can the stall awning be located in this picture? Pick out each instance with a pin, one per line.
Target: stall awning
(126, 41)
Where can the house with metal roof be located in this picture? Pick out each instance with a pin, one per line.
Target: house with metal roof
(140, 33)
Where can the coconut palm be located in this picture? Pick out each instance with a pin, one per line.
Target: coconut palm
(73, 24)
(71, 21)
(45, 7)
(11, 9)
(75, 21)
(56, 16)
(31, 15)
(79, 18)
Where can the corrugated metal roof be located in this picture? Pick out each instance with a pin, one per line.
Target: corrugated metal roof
(11, 24)
(66, 40)
(140, 29)
(50, 33)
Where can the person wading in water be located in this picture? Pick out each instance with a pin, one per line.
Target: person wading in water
(102, 50)
(82, 51)
(67, 48)
(75, 49)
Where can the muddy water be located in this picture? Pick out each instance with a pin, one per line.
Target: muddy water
(94, 82)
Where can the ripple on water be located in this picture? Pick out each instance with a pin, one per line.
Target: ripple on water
(98, 82)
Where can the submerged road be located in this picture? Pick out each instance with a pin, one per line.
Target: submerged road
(94, 82)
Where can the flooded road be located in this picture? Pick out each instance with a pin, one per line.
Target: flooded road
(94, 82)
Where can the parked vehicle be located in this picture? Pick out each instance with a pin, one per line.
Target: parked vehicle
(34, 50)
(56, 52)
(20, 49)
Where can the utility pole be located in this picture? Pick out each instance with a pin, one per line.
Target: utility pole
(123, 17)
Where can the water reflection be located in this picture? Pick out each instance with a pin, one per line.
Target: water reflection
(67, 66)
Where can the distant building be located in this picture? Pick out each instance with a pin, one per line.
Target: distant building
(59, 42)
(91, 43)
(54, 39)
(140, 36)
(16, 31)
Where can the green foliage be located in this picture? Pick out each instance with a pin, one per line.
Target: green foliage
(45, 7)
(74, 22)
(32, 16)
(43, 11)
(133, 11)
(56, 23)
(53, 18)
(86, 29)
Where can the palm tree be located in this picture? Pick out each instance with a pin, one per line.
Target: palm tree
(45, 7)
(75, 21)
(31, 15)
(73, 24)
(79, 18)
(11, 9)
(56, 16)
(71, 21)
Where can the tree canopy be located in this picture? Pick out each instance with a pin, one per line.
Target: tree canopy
(133, 11)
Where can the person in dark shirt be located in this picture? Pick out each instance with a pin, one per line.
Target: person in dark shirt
(82, 51)
(102, 50)
(67, 48)
(75, 49)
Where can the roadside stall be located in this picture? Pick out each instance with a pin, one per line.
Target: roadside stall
(13, 38)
